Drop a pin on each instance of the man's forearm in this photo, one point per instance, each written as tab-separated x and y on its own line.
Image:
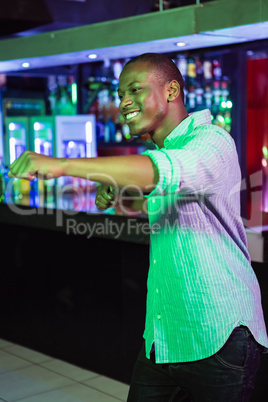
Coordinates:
136	172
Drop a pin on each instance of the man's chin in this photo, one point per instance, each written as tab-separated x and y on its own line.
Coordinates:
136	132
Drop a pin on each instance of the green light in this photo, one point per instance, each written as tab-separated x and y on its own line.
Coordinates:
229	104
74	93
265	152
223	105
128	136
220	118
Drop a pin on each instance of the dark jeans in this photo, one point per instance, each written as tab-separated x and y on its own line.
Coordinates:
227	376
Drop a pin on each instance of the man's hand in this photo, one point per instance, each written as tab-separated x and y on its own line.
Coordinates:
105	197
30	165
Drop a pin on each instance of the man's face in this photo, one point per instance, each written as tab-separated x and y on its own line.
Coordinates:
143	100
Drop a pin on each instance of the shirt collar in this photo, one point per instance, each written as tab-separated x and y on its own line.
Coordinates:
189	124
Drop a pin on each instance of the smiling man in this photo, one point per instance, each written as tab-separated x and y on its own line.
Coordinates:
152	101
204	329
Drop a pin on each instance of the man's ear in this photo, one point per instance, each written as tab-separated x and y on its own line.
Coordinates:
173	90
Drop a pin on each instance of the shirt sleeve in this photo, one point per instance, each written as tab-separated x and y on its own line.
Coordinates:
200	167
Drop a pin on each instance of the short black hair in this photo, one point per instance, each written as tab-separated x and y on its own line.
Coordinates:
163	67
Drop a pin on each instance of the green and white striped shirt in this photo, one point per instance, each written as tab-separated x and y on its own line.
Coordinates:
200	284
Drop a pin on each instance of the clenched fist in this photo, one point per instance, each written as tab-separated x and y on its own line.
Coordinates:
31	164
105	197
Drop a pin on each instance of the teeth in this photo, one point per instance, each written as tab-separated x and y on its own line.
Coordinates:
130	115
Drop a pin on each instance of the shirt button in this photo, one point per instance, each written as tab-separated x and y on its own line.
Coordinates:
159	316
153	232
157	290
153	200
154	261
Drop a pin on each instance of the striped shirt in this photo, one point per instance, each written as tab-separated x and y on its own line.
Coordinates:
200	283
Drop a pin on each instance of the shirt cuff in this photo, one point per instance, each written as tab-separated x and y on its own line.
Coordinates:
165	171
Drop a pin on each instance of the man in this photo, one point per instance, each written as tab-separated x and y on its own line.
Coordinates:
204	327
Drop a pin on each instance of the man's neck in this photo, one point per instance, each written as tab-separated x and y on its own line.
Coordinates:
160	134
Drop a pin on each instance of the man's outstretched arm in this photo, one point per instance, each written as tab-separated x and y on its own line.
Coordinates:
132	171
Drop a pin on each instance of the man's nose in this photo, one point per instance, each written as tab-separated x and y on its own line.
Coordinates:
126	101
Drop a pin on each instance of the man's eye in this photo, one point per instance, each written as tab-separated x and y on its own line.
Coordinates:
136	89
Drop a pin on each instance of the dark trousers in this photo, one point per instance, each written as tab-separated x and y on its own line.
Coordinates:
227	376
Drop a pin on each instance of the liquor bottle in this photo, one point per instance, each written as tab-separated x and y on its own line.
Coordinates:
224	89
72	96
216	70
65	103
207	68
106	132
219	120
216	93
199	90
181	63
191	69
126	132
185	90
191	99
112	130
208	96
52	88
199	93
100	131
191	81
227	121
199	71
117	68
118	135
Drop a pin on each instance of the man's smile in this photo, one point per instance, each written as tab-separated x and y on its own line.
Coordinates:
131	115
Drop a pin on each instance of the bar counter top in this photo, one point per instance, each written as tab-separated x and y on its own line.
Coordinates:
132	228
128	228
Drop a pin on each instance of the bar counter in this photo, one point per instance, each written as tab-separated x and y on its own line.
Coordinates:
73	286
133	228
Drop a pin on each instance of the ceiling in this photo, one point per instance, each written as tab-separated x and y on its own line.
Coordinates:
198	26
31	17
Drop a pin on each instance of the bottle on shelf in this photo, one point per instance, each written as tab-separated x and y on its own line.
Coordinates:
208	96
191	99
199	71
207	68
117	69
199	92
191	69
216	70
224	89
181	63
52	88
227	121
217	92
191	84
